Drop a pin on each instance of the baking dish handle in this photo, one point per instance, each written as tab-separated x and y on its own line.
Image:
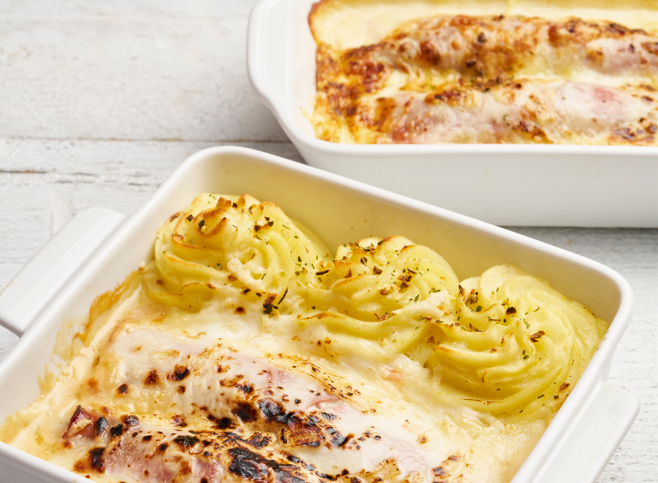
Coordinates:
45	274
266	38
592	439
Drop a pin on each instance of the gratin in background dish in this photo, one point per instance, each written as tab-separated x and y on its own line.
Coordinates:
530	185
350	210
488	79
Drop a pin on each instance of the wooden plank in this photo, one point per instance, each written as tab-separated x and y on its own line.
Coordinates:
137	71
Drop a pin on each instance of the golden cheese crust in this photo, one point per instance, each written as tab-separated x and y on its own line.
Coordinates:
492	79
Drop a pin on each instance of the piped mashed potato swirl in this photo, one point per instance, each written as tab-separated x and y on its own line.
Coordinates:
222	246
519	346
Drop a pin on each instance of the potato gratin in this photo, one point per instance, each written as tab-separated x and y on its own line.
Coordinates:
488	79
244	352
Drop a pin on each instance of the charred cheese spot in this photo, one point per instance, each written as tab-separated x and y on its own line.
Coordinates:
179	373
152	378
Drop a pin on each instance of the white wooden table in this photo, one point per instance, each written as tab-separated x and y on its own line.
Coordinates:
100	101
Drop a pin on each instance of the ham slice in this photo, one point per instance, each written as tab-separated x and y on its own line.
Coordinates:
524	111
280	419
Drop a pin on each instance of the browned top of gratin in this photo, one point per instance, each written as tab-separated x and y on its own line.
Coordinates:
492	79
244	352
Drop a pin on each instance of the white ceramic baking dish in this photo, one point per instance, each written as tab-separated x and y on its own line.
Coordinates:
522	185
98	249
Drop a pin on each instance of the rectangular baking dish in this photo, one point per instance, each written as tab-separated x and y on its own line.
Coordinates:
98	249
513	185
